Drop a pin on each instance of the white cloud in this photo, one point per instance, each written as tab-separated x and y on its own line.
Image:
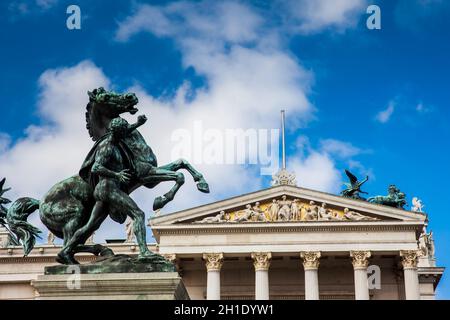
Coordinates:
317	168
339	148
360	168
244	70
46	4
421	108
228	21
5	141
26	7
307	17
317	171
385	115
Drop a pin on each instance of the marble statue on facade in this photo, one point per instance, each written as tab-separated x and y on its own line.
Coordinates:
50	238
355	216
428	244
129	226
248	213
325	214
284	213
273	209
312	213
216	219
417	205
295	210
258	212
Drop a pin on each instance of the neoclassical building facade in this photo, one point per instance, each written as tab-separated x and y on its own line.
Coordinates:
287	242
283	242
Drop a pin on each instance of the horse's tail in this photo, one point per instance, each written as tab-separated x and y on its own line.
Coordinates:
17	221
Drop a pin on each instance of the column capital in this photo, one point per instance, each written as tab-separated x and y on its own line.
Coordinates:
310	259
261	260
214	261
410	258
360	259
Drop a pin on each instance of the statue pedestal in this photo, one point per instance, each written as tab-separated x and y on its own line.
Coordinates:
117	277
111	286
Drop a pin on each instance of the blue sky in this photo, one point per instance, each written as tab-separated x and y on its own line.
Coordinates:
235	64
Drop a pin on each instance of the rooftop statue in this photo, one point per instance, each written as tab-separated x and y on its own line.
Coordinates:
395	198
119	163
417	205
353	188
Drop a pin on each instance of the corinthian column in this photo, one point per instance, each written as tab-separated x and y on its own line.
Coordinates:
311	266
261	262
360	261
213	263
409	262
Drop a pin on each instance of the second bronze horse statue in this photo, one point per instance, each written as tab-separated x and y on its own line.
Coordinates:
72	211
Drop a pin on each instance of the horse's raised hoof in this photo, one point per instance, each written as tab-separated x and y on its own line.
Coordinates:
203	186
159	203
66	259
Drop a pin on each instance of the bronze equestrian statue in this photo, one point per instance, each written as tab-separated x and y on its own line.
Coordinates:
119	163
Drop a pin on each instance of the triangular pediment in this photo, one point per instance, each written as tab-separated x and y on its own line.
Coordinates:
286	204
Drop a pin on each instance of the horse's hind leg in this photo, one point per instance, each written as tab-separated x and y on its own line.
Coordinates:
67	257
79	234
202	185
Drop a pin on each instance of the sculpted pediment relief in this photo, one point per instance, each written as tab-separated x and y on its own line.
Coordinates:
286	209
286	204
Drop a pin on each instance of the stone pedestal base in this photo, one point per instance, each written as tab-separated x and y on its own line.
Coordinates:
111	286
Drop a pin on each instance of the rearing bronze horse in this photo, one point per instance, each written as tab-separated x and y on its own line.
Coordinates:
67	208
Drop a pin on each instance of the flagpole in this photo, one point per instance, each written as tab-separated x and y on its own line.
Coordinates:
283	142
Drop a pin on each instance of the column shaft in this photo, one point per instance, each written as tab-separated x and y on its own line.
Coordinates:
361	284
412	289
311	266
409	262
262	285
213	285
311	284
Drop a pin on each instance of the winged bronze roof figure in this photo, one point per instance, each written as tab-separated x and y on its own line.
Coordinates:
353	188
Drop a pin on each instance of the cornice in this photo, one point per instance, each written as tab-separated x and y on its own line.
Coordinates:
286	227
